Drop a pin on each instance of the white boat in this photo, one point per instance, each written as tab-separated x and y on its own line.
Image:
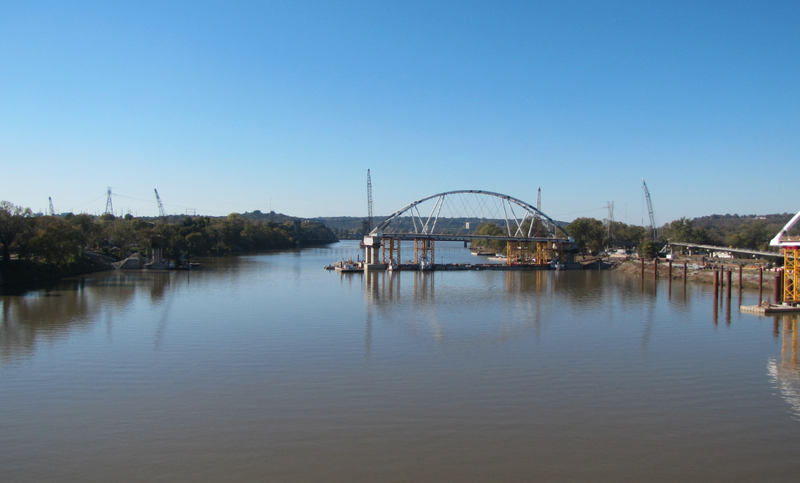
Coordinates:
425	264
348	266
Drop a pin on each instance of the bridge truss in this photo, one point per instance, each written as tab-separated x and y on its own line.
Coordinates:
531	236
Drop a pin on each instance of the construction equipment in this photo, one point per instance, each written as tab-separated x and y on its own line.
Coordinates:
654	233
370	220
791	260
160	205
52	212
538	217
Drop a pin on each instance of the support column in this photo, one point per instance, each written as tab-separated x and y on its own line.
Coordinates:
791	265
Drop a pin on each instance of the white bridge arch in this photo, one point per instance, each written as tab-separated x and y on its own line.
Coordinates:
518	217
532	237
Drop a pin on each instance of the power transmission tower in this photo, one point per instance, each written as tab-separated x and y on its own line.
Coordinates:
610	221
370	221
109	206
160	205
654	233
52	211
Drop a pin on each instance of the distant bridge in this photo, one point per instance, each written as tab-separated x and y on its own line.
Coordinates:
716	249
532	237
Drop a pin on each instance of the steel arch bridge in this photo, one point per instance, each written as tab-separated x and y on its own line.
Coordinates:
532	237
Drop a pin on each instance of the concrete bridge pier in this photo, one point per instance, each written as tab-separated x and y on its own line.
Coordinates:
372	253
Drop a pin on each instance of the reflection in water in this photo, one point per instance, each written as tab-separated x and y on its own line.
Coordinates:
785	374
447	315
468	376
53	313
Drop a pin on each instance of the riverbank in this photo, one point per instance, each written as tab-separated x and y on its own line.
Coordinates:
23	274
750	278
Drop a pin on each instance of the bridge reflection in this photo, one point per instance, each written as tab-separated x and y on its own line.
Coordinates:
459	313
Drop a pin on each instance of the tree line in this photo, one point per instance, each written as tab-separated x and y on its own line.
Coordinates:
60	240
593	236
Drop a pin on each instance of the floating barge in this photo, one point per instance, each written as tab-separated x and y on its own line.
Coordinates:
769	309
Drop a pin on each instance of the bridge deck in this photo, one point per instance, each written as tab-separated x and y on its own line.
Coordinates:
728	249
466	237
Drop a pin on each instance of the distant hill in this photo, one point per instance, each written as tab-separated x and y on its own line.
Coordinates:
728	224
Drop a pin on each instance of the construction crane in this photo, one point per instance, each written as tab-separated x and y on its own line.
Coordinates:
370	221
52	211
160	205
538	211
650	210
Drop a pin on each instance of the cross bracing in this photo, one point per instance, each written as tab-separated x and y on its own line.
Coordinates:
456	215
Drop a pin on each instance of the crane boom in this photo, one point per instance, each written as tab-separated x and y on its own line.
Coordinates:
650	209
160	205
370	220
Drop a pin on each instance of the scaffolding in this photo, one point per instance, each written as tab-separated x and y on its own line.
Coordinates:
791	278
424	248
391	250
520	253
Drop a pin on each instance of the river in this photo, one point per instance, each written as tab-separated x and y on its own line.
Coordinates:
269	368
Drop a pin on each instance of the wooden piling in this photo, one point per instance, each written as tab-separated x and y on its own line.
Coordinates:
685	275
728	282
778	289
760	284
655	268
716	286
740	277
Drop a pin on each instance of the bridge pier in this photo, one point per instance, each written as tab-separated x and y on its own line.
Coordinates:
372	253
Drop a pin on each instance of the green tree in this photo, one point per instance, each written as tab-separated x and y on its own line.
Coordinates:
490	229
648	249
55	240
589	234
13	220
680	231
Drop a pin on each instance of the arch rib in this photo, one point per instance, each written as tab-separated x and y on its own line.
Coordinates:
509	199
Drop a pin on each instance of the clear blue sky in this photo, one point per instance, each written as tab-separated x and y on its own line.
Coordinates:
238	106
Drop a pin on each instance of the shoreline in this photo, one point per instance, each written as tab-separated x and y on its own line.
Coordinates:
750	278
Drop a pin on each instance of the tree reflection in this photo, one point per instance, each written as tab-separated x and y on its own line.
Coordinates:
71	305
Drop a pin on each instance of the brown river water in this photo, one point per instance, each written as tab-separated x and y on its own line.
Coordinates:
269	368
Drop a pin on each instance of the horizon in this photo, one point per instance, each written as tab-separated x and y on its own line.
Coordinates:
286	105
